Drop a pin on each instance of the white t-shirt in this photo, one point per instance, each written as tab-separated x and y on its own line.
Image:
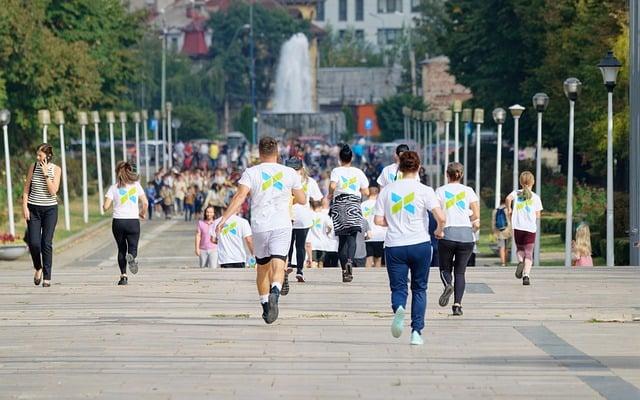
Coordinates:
125	200
318	236
455	200
302	214
270	186
378	232
523	216
349	180
332	239
231	247
390	174
405	205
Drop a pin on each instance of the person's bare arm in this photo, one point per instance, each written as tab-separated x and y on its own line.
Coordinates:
25	195
365	192
441	220
54	184
198	237
145	205
107	204
249	241
299	197
475	215
507	210
234	206
332	189
380	220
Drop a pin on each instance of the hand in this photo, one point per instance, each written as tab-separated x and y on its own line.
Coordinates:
143	214
198	252
44	164
220	226
26	214
439	233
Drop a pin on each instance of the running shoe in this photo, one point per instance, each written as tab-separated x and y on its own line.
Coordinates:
265	312
272	315
300	278
446	293
285	284
132	263
398	322
349	267
416	339
346	278
457	310
123	281
526	281
519	269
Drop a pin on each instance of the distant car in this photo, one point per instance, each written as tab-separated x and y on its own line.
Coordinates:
235	139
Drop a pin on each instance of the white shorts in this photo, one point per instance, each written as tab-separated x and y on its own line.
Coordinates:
271	244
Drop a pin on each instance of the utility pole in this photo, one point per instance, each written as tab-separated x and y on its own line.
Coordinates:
634	134
254	120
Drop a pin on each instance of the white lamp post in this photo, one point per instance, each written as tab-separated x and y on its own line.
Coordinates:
95	119
59	119
5	118
123	125
44	117
156	116
434	124
169	108
111	119
478	119
145	118
516	112
136	120
163	117
572	88
457	109
540	103
499	116
609	66
426	140
447	117
84	121
416	122
176	124
467	117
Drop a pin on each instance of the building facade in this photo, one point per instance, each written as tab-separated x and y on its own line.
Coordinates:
380	22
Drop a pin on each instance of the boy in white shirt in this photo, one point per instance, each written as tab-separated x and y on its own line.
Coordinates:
234	237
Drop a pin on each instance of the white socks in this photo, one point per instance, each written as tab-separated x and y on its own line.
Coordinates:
276	285
264	299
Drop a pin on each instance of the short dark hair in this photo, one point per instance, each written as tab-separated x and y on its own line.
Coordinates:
455	170
401	149
47	149
294	162
268	146
409	162
346	155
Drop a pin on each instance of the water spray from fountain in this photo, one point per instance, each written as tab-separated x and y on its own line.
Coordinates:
293	77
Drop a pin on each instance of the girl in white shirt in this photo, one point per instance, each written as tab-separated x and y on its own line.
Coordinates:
129	205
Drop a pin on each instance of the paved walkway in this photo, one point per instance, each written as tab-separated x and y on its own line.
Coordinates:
178	332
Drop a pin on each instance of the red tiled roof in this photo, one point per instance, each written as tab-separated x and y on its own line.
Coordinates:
194	43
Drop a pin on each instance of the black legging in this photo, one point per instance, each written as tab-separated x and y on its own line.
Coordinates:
298	239
41	226
347	248
447	250
127	233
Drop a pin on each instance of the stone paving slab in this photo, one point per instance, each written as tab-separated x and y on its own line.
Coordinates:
178	332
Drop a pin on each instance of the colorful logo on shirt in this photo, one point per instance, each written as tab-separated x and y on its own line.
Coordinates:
405	202
230	229
394	177
367	212
317	223
521	204
452	199
128	195
350	183
274	181
305	187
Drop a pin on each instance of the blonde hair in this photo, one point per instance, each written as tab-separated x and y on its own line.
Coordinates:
583	240
526	181
124	174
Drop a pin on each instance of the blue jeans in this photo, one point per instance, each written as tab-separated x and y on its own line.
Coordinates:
400	260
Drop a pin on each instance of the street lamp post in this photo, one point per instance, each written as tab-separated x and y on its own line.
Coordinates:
254	120
59	119
405	114
84	121
95	119
111	119
516	112
156	116
163	117
499	116
426	136
163	86
5	118
572	88
540	103
467	117
457	109
447	117
44	117
123	124
434	124
478	119
418	117
145	118
176	124
169	108
609	66
136	121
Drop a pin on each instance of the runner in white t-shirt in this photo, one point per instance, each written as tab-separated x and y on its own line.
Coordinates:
234	237
403	206
348	185
270	186
374	243
525	207
129	205
318	237
390	172
302	221
462	212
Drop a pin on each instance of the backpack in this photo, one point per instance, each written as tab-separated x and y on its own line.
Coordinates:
501	219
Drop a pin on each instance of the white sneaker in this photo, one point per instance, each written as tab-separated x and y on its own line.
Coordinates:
416	339
398	322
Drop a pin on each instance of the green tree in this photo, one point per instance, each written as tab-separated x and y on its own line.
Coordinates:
347	51
390	117
244	122
197	122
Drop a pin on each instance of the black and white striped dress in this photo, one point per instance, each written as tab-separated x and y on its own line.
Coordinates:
346	214
38	192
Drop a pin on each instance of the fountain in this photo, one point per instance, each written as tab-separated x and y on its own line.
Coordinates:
294	114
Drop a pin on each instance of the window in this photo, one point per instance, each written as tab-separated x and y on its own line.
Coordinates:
415	6
389	6
359	10
174	44
342	10
320	10
342	33
388	36
359	35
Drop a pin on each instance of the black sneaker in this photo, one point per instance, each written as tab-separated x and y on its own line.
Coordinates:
132	263
285	284
349	267
346	278
525	281
519	270
300	278
446	293
123	281
265	312
272	314
457	310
